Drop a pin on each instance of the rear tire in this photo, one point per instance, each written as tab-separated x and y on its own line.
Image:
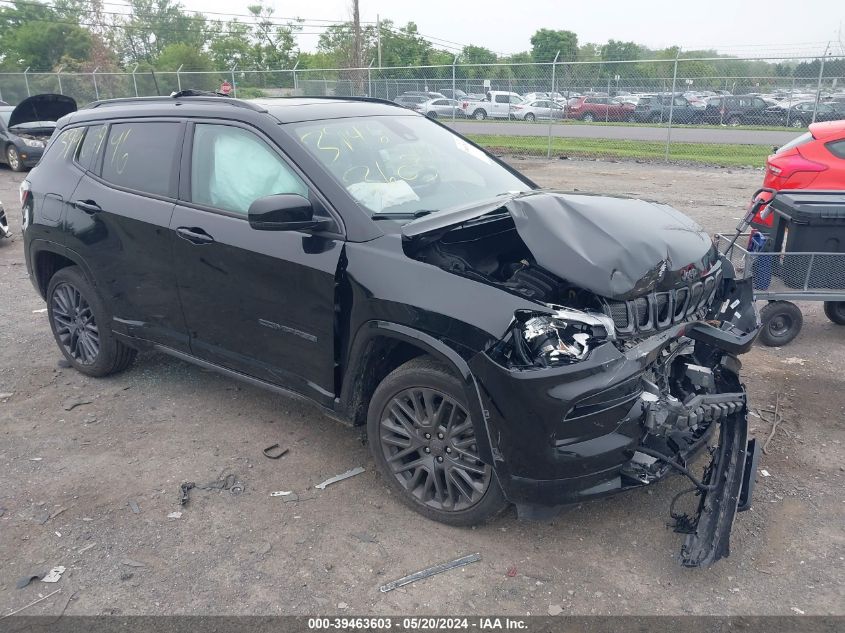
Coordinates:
81	323
835	311
796	123
782	321
734	121
479	115
530	117
423	443
431	115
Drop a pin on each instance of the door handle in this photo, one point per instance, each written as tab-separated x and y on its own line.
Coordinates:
194	235
88	206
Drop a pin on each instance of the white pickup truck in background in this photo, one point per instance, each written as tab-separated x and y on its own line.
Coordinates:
498	105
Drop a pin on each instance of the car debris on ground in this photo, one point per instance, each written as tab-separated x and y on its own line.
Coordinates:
54	575
72	403
331	480
430	571
275	451
230	482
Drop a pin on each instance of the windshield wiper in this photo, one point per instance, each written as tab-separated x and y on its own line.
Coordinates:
406	215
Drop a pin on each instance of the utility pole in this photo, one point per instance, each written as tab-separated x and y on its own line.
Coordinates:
378	38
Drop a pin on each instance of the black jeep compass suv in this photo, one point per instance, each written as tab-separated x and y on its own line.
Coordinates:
501	343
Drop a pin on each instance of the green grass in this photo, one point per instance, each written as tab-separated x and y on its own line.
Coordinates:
728	155
703	126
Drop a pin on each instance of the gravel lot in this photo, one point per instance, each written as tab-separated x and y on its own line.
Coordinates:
69	477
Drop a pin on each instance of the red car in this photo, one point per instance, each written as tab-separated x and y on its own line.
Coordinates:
600	109
816	160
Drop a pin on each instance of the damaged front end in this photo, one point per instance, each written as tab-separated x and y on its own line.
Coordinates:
626	367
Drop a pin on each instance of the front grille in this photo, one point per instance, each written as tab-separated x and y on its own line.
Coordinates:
660	310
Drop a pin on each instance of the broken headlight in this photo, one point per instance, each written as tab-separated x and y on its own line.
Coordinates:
558	338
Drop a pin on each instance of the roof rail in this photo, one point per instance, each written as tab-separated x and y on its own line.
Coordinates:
192	95
341	98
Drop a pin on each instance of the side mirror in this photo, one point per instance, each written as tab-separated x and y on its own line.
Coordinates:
282	212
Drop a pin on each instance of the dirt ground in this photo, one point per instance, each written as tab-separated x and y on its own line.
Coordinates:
70	479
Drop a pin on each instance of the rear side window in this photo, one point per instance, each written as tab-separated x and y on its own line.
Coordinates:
502	99
837	148
232	167
91	146
796	142
142	156
64	147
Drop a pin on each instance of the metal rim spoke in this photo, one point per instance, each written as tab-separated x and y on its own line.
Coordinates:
74	324
428	441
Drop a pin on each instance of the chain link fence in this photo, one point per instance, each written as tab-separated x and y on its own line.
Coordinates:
721	111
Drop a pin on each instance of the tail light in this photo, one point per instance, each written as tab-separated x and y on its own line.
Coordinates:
517	107
791	164
25	192
464	105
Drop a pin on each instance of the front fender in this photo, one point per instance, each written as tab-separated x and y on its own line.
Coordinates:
436	348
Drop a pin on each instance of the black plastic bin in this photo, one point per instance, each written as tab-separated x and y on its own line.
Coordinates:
810	222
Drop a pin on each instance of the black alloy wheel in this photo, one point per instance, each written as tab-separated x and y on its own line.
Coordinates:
74	324
429	443
423	441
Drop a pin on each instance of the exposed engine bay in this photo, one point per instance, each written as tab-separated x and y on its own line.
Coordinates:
680	318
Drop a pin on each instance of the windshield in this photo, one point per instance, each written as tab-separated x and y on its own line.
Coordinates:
405	165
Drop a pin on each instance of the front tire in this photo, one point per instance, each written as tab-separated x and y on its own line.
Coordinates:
423	443
782	321
13	159
588	118
80	324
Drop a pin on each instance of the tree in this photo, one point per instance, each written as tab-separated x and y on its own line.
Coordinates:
174	56
616	50
545	44
477	55
35	35
273	44
152	25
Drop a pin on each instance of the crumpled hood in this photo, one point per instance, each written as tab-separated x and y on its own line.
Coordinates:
618	248
43	107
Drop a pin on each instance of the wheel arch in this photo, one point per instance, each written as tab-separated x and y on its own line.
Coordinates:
47	258
379	347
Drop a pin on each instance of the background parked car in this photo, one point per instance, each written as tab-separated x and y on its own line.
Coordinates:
4	223
441	107
816	159
412	98
498	105
456	94
414	102
656	109
741	110
532	110
600	109
26	128
801	114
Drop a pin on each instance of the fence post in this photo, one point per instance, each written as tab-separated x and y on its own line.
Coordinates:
178	78
134	80
26	80
94	77
819	85
672	104
370	78
551	119
234	85
454	63
295	86
59	77
791	94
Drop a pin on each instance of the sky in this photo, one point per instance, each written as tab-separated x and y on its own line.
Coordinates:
736	26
